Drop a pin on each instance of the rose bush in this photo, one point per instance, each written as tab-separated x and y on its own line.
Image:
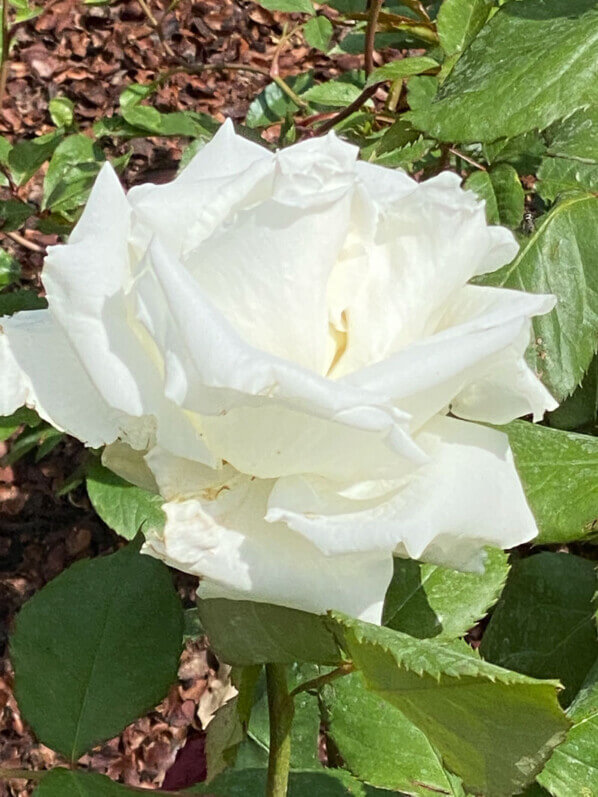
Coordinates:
287	347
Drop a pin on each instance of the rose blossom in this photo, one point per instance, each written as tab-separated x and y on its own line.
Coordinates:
290	350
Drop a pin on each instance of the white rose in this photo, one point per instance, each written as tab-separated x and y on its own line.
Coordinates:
282	338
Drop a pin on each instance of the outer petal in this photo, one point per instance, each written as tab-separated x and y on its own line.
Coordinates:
229	173
482	339
86	283
269	274
239	556
468	496
250	394
421	247
40	368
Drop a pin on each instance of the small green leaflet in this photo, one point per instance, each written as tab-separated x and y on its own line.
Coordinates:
560	258
502	191
396	70
573	767
318	32
493	727
379	744
559	471
125	508
459	22
425	600
543	624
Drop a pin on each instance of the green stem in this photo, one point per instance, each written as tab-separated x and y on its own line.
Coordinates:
280	709
284	86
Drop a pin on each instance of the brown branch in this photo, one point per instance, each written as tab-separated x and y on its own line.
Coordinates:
321	680
467	159
348	110
157	26
370	34
22	241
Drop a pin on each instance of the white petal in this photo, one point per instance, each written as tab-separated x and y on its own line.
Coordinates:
482	335
41	369
210	370
268	274
179	479
227	174
393	282
129	464
467	496
239	556
86	283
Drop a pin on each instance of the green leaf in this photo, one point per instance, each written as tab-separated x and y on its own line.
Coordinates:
71	173
289	6
421	90
405	157
494	728
62	111
459	22
244	632
23	299
68	783
25	11
318	32
425	600
10	423
558	176
523	152
14	214
379	744
544	624
123	507
579	412
224	734
252	783
96	648
560	258
306	720
533	63
559	471
573	767
501	189
10	268
333	93
396	70
273	105
576	136
26	157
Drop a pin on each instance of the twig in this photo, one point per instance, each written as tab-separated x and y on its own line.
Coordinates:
370	34
22	241
5	44
467	159
22	774
316	683
197	69
348	110
157	26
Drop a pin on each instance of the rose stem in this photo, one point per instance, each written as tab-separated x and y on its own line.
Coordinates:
280	709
